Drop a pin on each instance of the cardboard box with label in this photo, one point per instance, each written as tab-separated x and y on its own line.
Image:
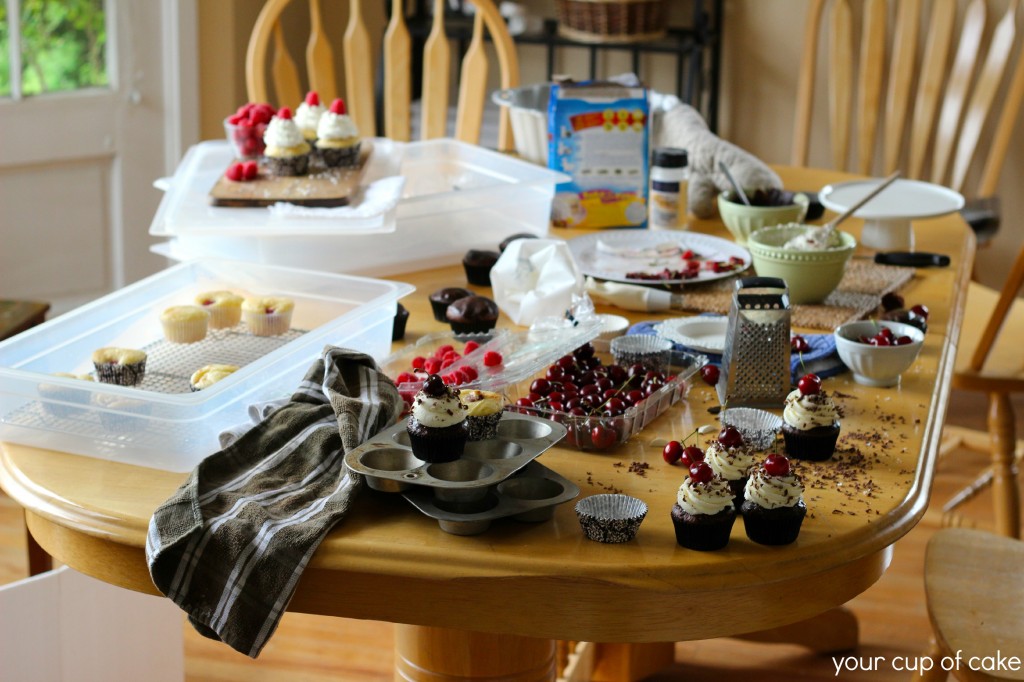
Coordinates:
598	134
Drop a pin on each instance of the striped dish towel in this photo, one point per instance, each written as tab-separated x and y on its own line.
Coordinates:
231	543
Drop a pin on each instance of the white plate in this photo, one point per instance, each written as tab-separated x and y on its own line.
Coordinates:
603	254
706	334
903	200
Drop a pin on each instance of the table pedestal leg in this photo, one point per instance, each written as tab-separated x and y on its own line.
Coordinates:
827	633
427	654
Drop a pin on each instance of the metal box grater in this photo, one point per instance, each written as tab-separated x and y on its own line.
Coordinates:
755	365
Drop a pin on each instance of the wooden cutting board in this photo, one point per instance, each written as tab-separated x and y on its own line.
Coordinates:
322	186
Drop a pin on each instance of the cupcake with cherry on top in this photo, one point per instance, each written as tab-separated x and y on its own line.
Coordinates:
704	511
773	507
437	427
810	421
731	458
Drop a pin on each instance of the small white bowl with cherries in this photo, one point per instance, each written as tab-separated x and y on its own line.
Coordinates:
878	351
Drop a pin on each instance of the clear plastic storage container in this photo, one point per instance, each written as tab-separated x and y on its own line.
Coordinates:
457	196
162	424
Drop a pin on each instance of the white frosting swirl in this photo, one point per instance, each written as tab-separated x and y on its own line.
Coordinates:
806	412
732	464
446	410
334	126
705	498
773	492
814	239
282	133
307	116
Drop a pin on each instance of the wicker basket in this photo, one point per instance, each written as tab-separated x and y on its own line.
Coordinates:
611	21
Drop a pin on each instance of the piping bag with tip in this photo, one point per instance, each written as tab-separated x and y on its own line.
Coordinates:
633	296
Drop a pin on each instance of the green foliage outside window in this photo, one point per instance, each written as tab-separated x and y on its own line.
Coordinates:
63	46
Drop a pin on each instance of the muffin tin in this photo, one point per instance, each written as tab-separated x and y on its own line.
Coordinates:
529	496
465	495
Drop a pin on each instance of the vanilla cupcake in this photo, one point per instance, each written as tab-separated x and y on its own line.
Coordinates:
337	137
185	323
268	315
225	308
121	366
483	412
287	152
307	116
207	376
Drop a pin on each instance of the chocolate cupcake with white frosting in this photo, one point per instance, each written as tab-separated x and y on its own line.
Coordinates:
704	511
338	137
731	458
773	507
437	427
307	116
810	421
287	152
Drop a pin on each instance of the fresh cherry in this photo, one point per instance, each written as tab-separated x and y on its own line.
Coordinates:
776	465
920	310
904	341
892	301
672	452
799	344
691	455
701	472
809	384
540	386
730	437
602	437
710	374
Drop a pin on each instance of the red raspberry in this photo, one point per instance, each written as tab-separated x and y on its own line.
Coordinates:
235	119
284	112
442	351
404	378
451	355
492	359
448	362
250	170
312	99
450	379
470	347
418	361
338	107
234	172
432	366
468	372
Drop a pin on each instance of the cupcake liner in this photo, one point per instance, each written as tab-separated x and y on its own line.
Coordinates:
703	532
472	327
479	275
186	331
445	444
340	157
759	428
816	445
262	324
224	316
610	518
652	352
779	526
287	165
122	375
483	428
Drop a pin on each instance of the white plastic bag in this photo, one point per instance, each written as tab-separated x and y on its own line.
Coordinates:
535	278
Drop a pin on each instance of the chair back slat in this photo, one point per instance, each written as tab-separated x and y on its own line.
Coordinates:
472	86
870	78
929	86
397	76
1004	131
267	53
901	77
957	88
1007	297
805	85
436	68
841	60
319	58
1003	38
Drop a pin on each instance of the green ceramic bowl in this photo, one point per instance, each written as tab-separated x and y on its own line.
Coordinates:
743	221
810	275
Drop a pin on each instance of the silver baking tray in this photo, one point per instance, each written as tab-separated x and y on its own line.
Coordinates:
530	495
387	462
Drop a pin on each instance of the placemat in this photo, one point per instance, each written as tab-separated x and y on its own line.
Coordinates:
858	294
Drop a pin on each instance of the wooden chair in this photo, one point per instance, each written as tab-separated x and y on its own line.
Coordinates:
267	53
975	593
934	104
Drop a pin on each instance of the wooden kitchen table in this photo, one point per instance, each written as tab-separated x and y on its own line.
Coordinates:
506	594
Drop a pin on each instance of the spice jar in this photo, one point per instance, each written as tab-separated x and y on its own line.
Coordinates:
669	175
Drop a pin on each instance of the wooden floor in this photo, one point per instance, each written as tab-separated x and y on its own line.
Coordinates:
892	615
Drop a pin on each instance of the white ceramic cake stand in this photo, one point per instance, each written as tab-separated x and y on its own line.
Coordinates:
887	217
